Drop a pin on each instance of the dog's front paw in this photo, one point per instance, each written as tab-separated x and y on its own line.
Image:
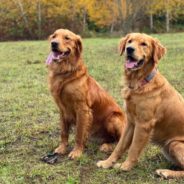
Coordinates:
126	166
61	149
104	164
74	154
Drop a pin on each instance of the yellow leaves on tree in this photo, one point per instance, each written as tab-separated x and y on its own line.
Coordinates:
67	8
103	13
175	7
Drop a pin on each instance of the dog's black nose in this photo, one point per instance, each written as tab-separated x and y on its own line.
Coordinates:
130	50
54	46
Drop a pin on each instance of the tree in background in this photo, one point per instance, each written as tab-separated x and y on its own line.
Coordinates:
83	6
103	13
133	14
170	8
26	19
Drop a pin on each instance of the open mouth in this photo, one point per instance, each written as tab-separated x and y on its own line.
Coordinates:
132	63
57	56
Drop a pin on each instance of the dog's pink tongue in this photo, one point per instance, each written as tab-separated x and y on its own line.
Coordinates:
56	55
52	56
130	64
49	59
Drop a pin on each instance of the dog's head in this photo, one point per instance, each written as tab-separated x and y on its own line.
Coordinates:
65	45
139	50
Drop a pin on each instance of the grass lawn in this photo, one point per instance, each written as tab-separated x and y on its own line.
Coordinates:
29	118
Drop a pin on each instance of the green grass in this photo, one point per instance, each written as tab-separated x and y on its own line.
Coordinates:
29	125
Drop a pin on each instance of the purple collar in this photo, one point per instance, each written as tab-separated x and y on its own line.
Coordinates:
149	77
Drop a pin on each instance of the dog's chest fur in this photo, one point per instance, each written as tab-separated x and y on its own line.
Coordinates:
66	94
140	107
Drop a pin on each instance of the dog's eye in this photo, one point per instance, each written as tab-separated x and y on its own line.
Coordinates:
129	41
67	38
143	44
54	36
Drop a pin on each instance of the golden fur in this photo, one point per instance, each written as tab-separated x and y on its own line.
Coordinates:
155	110
80	98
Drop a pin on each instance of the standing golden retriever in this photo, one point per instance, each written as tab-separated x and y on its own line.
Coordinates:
155	110
80	98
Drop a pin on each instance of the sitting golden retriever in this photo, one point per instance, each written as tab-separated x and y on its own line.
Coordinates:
80	98
155	110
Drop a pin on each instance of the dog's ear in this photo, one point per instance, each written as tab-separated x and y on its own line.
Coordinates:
78	45
158	50
122	44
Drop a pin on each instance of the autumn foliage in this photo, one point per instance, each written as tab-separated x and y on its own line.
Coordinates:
35	19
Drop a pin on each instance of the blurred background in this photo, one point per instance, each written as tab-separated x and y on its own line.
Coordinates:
36	19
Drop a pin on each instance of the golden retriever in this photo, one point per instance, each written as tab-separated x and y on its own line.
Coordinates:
80	99
155	110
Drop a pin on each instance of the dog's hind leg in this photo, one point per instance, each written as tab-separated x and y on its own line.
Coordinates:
114	127
175	153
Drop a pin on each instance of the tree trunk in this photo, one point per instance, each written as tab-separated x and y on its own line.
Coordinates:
39	20
167	16
151	21
167	21
112	28
23	14
84	21
119	3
